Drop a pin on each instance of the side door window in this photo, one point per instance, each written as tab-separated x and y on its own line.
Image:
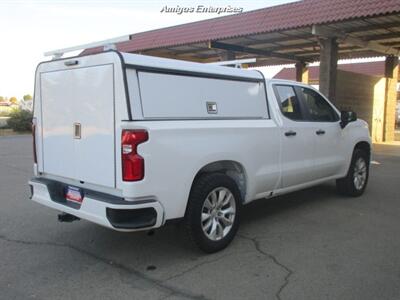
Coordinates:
317	108
288	102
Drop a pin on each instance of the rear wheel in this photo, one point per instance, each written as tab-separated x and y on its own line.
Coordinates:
213	212
356	180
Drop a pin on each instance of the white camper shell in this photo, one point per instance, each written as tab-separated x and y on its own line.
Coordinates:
130	142
82	104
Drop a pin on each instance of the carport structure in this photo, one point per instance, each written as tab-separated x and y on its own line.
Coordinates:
299	32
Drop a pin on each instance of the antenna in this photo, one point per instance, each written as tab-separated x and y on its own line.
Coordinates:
106	44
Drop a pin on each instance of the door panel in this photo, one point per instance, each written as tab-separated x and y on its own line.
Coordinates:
328	158
79	98
297	154
297	139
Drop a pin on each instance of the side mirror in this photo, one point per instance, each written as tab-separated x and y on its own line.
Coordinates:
346	117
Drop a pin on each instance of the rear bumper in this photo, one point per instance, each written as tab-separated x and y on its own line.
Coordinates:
105	210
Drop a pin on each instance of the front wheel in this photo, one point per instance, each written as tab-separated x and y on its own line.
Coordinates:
356	180
213	212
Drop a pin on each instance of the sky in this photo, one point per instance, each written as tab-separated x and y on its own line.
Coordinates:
28	28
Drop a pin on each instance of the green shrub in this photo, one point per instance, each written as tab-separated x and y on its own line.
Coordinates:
20	120
5	111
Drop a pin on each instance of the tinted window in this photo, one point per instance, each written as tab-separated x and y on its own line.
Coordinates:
288	101
318	109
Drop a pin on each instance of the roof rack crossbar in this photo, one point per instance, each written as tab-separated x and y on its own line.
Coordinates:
106	44
238	63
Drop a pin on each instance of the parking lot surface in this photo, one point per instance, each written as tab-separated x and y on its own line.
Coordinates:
311	244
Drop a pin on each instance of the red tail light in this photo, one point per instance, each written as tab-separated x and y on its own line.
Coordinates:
132	162
34	141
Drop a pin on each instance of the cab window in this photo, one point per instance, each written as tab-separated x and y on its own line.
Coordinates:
317	108
288	102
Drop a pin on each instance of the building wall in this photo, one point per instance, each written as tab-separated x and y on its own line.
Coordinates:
365	95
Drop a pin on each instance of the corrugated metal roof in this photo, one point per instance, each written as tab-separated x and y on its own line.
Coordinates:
376	68
282	17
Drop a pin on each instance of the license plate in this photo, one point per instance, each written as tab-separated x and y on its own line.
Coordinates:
73	194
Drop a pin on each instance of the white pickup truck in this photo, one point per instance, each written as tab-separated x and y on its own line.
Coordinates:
132	142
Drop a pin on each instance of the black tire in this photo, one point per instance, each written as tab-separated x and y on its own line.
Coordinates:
201	189
346	185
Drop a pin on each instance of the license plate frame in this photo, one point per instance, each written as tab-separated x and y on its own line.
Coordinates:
73	194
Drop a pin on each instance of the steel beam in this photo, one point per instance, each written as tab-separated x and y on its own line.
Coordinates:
244	49
371	26
324	31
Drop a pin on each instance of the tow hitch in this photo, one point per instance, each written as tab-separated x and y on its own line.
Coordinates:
64	217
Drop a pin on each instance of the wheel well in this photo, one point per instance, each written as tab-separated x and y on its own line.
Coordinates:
364	146
230	168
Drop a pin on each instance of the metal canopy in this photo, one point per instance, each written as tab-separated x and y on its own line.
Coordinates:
366	37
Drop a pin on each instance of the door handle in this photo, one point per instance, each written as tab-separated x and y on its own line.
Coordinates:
77	131
290	133
320	132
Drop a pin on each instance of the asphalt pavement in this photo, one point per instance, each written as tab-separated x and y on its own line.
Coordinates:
311	244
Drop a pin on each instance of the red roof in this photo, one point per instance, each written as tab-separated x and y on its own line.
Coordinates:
375	68
269	19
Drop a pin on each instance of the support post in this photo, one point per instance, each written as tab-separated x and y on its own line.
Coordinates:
391	74
302	72
228	55
328	67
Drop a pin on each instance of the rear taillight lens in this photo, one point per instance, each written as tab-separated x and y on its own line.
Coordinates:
132	162
34	140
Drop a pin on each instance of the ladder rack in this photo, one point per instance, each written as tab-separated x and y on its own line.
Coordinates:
238	63
106	44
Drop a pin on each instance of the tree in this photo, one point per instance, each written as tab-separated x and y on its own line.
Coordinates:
13	100
27	97
2	99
